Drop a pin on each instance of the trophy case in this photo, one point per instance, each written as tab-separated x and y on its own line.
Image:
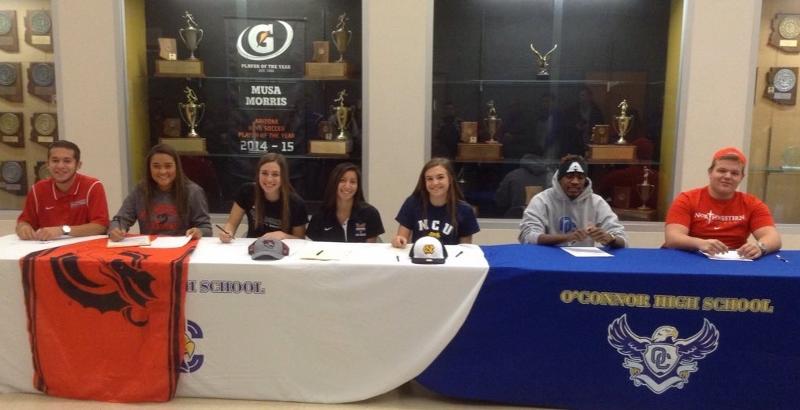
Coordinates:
518	85
28	110
774	161
232	80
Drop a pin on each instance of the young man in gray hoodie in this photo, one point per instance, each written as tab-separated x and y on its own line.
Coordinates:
569	213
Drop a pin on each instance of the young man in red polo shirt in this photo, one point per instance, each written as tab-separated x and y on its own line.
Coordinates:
67	203
716	217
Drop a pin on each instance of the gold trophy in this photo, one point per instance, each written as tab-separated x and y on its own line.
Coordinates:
191	34
645	189
191	112
342	115
622	122
492	123
544	62
341	37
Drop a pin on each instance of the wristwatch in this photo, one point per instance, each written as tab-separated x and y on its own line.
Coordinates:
66	229
762	247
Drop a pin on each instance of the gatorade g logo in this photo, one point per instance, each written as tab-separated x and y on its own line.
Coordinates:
265	41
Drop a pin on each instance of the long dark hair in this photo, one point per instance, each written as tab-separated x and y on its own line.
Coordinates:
179	191
329	199
286	191
453	191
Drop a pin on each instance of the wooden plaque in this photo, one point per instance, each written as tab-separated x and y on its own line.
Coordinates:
39	29
11	81
167	48
322	52
180	68
14	177
325	147
8	31
622	197
479	152
12	130
171	127
782	85
469	132
186	145
44	128
785	34
622	152
42	80
327	71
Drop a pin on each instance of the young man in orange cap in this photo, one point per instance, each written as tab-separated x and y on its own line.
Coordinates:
716	218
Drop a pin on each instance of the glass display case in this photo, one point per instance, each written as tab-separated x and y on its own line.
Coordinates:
28	114
518	85
251	77
774	169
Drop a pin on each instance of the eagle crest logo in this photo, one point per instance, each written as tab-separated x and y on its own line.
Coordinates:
428	249
661	361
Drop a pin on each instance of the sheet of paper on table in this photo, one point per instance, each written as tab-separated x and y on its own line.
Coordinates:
311	252
139	240
586	252
170	241
727	256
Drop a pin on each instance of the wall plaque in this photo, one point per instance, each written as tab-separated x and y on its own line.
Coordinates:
8	31
11	130
785	34
782	85
13	177
44	128
42	81
39	29
11	81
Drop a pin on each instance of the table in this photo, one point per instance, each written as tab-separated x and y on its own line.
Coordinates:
540	332
292	329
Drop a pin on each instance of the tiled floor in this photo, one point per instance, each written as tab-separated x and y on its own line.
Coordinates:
408	396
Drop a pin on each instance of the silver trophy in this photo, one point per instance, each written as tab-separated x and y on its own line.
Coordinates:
544	62
191	112
645	190
341	37
622	122
492	122
342	115
191	34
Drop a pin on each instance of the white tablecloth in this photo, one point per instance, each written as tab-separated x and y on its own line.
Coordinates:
293	329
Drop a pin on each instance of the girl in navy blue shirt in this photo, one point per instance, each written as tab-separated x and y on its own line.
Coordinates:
436	208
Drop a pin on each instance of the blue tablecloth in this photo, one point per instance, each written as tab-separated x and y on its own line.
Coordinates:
529	339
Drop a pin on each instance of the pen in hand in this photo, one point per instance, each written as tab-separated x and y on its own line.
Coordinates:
222	229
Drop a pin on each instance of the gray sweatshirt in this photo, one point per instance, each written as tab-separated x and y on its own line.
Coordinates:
553	212
163	219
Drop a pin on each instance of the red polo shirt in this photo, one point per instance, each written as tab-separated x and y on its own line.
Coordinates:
84	202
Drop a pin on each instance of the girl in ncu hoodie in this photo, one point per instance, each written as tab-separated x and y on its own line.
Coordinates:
569	213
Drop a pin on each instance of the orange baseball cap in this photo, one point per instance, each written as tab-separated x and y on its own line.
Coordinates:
731	152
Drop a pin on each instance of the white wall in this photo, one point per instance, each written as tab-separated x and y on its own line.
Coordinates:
717	83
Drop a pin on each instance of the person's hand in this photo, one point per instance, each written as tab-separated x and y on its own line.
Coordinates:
46	234
399	241
195	233
599	235
750	251
577	235
116	234
225	237
25	232
712	246
275	235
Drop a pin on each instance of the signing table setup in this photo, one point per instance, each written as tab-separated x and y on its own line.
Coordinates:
332	322
327	323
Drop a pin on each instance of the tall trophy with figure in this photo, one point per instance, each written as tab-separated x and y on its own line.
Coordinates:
543	61
341	144
492	122
622	122
320	67
191	35
191	112
645	190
